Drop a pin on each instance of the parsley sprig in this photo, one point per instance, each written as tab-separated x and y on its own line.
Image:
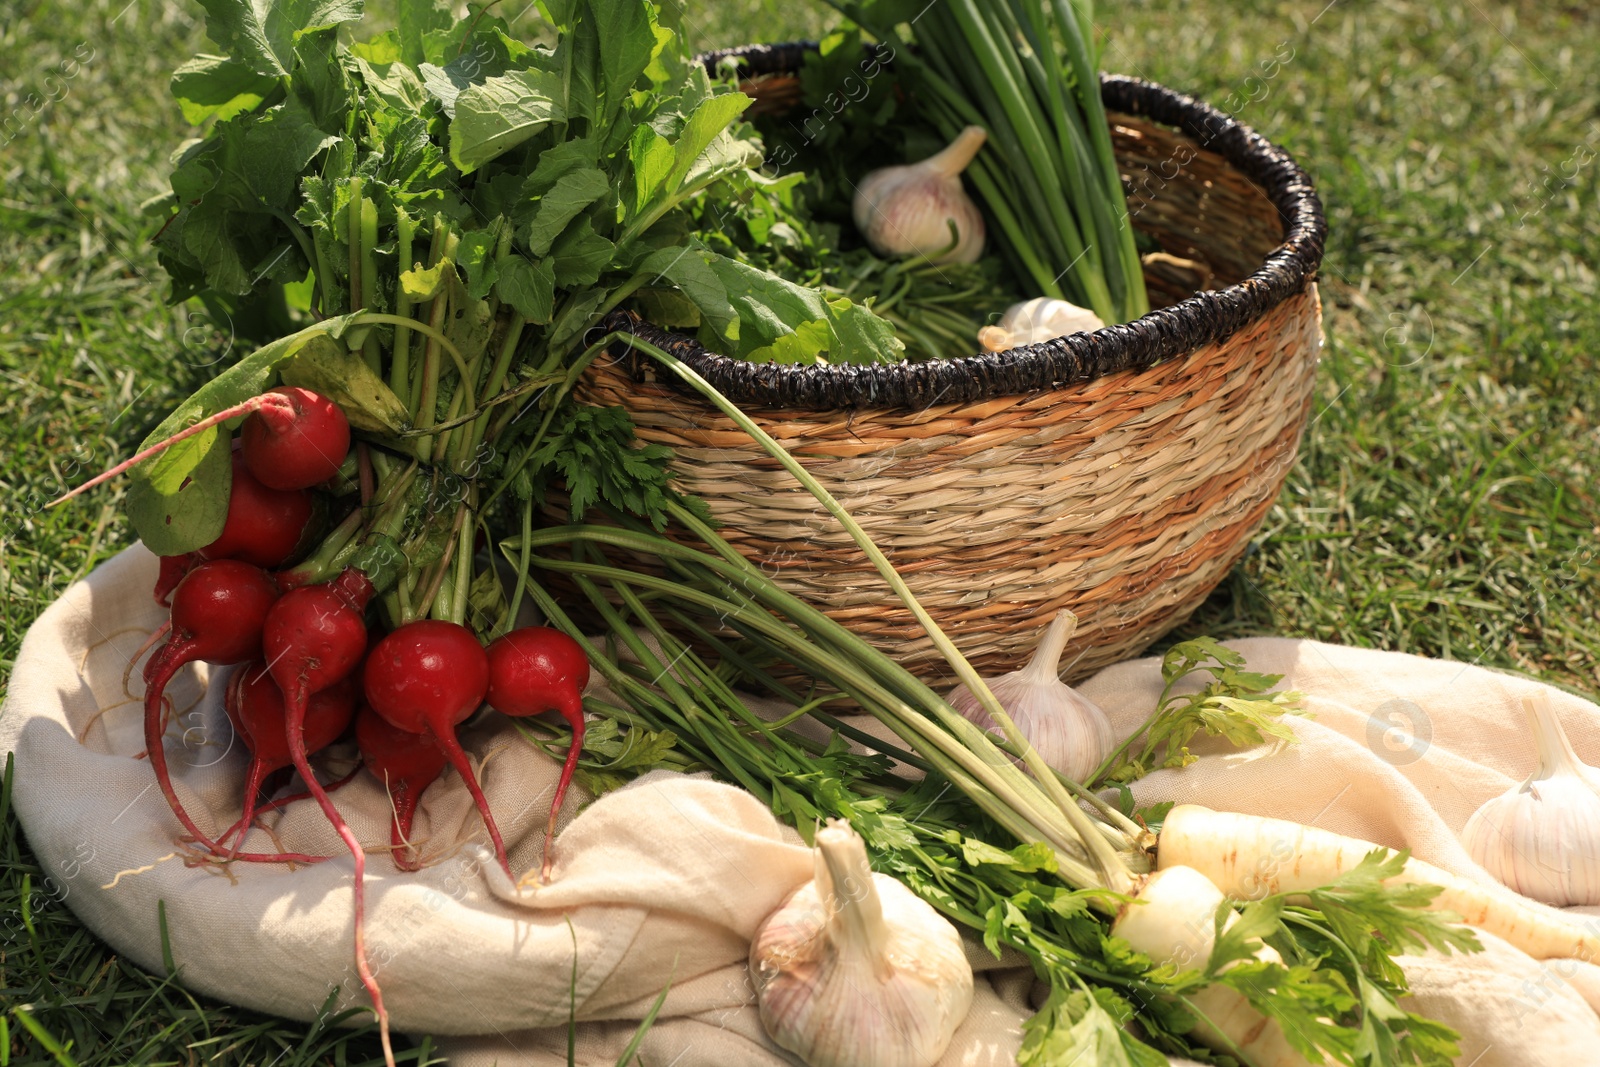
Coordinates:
1337	992
1235	704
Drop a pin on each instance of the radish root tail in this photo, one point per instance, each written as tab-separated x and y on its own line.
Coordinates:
458	759
295	713
574	716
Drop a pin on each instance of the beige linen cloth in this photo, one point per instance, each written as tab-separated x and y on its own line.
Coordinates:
669	877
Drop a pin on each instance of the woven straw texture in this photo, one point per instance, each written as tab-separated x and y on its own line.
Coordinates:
1126	497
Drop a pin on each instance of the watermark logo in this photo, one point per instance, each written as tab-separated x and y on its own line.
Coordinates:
1399	732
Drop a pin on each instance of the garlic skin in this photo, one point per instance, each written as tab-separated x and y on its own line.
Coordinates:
1542	838
1068	729
855	970
1040	319
907	210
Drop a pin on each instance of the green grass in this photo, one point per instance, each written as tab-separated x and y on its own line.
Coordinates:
1444	502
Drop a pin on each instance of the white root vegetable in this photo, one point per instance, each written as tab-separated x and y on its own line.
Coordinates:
1249	857
1171	919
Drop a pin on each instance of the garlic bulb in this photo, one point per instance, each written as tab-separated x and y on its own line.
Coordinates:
908	210
1542	838
855	970
1068	730
1039	319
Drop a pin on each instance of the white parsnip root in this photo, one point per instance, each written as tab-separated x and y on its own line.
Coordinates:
1249	857
1172	919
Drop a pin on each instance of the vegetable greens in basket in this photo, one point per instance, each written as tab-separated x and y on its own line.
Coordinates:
548	181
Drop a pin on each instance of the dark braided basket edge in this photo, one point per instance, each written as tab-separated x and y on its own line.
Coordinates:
1162	334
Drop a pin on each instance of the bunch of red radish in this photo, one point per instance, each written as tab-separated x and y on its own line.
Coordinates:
301	647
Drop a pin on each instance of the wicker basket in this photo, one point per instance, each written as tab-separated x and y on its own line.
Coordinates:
1120	473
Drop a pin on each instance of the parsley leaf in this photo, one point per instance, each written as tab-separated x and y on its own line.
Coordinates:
1074	1026
594	453
1340	996
1235	704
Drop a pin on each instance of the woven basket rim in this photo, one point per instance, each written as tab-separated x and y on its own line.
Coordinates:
1205	318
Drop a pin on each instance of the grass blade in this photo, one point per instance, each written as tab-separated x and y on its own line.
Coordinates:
43	1036
648	1021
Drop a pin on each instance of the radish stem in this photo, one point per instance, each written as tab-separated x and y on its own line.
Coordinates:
255	403
400	354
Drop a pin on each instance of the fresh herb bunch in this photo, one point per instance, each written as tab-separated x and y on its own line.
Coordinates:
453	213
557	171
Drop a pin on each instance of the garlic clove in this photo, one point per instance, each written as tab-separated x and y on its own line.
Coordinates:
855	970
1040	319
909	210
1068	729
1542	837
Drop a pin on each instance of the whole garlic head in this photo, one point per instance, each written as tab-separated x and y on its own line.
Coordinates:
1068	729
908	210
1542	838
855	970
1039	319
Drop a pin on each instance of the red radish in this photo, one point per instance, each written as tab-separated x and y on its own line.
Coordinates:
428	677
537	669
255	705
298	445
173	568
406	764
217	615
264	526
284	408
313	638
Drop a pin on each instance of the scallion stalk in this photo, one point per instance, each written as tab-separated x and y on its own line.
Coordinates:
1025	71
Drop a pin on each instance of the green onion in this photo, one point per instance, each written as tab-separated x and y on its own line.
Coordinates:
1050	182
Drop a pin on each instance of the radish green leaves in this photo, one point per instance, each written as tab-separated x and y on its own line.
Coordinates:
589	150
502	113
462	210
